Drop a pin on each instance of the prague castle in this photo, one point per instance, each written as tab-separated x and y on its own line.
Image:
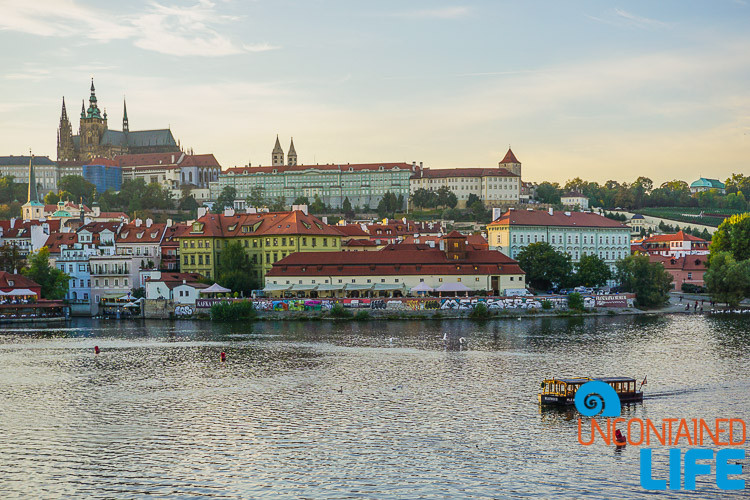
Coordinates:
96	139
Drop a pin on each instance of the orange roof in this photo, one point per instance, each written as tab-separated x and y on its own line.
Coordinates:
102	161
685	263
130	233
56	240
393	260
359	243
19	281
259	224
336	167
510	157
171	233
678	236
543	218
136	160
467	172
352	230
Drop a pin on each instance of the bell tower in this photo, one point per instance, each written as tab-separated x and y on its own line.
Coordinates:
291	157
277	155
93	126
65	147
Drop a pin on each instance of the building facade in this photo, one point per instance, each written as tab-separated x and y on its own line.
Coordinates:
674	245
395	270
574	199
173	171
267	237
95	138
363	184
103	173
46	172
704	184
574	233
493	186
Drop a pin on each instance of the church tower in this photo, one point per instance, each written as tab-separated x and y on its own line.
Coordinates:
33	209
93	126
125	124
511	163
291	157
65	147
277	155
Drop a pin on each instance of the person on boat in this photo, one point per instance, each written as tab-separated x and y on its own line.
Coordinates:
619	438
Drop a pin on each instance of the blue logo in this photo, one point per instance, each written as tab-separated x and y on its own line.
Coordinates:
594	398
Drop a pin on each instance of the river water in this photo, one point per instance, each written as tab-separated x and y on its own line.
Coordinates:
156	412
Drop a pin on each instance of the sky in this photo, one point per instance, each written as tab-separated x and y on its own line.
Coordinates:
592	89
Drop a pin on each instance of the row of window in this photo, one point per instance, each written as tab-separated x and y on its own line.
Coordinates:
603	240
278	241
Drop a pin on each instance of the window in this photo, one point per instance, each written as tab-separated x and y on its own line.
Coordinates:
186	260
208	260
690	275
192	260
511	278
106	282
117	282
200	260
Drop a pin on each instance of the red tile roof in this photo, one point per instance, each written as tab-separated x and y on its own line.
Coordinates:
393	260
359	243
68	205
543	218
56	240
260	224
510	157
352	230
170	235
130	233
336	167
678	236
102	161
467	172
686	263
152	159
170	277
19	281
207	160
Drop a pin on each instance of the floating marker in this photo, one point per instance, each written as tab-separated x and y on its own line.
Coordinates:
96	349
223	356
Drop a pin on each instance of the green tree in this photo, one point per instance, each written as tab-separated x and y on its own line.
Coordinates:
77	186
733	235
278	204
575	301
51	198
727	280
389	204
478	211
257	197
346	208
544	266
591	270
446	197
317	206
649	281
226	199
548	192
473	198
302	200
424	198
235	271
53	281
11	259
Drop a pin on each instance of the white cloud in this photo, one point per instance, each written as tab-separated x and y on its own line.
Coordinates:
167	29
639	21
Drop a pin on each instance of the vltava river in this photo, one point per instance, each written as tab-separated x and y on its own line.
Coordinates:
156	413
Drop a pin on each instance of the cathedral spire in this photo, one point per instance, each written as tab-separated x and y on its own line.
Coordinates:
33	195
291	157
83	110
277	155
64	115
125	125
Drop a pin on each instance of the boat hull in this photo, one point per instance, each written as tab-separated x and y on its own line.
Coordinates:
553	399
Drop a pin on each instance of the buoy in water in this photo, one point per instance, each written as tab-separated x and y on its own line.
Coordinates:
223	356
619	438
96	349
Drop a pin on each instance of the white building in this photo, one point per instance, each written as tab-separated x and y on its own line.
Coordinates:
574	199
181	288
45	171
492	186
574	233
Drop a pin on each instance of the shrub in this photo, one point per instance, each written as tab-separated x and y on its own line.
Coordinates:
233	311
362	315
546	305
480	311
339	311
575	301
691	288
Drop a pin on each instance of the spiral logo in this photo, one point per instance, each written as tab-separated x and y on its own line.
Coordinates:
594	398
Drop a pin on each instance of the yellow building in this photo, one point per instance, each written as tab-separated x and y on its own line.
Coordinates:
267	237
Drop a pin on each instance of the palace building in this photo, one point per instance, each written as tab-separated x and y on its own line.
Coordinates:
96	139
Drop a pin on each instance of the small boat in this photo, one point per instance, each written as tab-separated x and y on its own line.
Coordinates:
562	391
620	439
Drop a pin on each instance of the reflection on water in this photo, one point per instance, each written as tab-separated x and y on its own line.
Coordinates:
158	413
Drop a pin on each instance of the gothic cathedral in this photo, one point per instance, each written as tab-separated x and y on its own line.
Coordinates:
95	139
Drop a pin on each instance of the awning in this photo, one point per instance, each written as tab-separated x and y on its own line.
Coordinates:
303	288
21	292
389	286
215	288
327	288
273	287
355	286
453	287
422	287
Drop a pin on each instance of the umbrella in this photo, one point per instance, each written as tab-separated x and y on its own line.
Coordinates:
422	287
215	288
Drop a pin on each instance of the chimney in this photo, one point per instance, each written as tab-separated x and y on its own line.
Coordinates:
170	222
12	222
301	208
250	210
551	211
172	158
420	165
228	212
149	222
202	211
138	222
184	282
324	219
442	245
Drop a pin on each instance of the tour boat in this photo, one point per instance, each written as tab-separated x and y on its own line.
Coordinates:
562	391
